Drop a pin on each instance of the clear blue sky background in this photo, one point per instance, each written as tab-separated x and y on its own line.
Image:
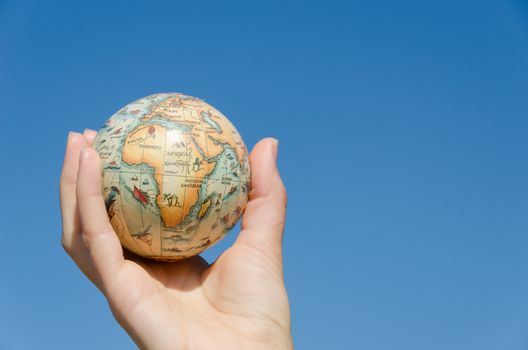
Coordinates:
403	129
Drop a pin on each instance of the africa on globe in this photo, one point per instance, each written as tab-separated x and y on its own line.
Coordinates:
175	173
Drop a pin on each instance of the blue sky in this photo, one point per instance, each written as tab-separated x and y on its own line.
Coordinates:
403	145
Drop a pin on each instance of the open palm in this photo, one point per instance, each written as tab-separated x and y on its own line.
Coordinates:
238	302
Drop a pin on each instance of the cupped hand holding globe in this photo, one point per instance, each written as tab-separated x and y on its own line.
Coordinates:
238	302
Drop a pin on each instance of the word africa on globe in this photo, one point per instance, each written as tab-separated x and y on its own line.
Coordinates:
176	175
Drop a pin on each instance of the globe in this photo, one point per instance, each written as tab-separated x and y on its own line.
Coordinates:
176	175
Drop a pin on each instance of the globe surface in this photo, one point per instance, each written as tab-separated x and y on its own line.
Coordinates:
176	175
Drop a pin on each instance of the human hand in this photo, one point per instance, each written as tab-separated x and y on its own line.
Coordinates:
238	302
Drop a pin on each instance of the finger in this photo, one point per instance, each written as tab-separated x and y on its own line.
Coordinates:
68	180
100	239
71	235
263	220
89	135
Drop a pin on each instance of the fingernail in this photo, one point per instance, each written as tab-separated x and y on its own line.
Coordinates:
71	135
274	149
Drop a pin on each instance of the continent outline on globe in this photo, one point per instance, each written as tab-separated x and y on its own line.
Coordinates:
176	175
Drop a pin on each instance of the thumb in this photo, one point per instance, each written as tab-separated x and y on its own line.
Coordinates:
263	220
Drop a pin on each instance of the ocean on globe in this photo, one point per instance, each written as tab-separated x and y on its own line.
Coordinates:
175	173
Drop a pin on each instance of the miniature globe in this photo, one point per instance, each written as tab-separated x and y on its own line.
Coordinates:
176	175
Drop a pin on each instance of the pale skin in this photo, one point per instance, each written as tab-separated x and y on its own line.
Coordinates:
238	302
